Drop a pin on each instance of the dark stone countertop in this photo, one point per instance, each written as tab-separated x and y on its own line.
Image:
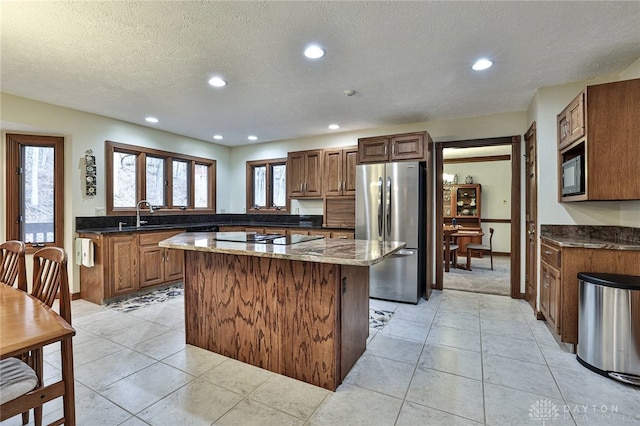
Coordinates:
195	223
592	237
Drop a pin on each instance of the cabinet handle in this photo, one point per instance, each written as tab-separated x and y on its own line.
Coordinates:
166	258
385	150
547	252
393	149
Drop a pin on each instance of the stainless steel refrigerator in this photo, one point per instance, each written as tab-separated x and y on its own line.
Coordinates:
390	206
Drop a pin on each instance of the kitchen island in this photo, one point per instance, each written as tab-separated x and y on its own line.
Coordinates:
297	307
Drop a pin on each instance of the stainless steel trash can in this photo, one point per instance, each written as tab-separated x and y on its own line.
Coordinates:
609	325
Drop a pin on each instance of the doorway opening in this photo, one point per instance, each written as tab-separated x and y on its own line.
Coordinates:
467	211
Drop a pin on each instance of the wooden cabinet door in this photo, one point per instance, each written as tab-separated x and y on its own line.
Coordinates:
313	174
409	147
373	150
151	265
563	129
296	174
576	118
173	264
333	169
544	289
122	264
550	295
554	298
349	159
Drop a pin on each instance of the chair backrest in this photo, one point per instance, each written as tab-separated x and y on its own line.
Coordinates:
50	279
12	264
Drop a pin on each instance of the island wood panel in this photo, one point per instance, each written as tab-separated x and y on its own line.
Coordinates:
234	310
354	318
576	260
310	318
277	314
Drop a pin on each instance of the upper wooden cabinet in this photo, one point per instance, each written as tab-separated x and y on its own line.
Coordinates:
402	147
340	171
571	122
304	174
601	126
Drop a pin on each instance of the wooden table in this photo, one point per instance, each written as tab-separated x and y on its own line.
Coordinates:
27	324
456	232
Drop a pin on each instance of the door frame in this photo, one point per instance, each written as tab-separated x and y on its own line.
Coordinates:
516	237
531	217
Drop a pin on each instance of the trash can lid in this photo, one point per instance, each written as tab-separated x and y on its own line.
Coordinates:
627	282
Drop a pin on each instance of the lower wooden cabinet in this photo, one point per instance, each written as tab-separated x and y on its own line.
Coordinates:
121	264
159	265
128	262
550	294
559	268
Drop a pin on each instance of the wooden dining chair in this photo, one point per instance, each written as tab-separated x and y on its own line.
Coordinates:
12	264
480	248
49	280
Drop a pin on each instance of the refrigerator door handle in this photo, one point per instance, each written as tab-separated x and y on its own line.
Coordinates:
380	213
403	252
388	202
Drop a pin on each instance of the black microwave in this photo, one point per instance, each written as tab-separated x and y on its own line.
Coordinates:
573	176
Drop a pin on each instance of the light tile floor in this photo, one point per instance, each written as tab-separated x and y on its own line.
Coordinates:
457	359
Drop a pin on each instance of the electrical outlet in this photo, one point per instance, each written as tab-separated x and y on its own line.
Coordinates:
101	211
223	210
297	210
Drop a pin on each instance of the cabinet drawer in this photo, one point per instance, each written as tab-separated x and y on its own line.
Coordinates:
342	235
550	255
148	238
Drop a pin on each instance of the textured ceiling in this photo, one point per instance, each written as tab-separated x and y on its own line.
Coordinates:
408	61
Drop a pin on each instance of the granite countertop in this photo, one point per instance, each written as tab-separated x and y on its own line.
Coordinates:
323	250
592	237
581	242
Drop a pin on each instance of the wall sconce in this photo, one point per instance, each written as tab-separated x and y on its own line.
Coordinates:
90	172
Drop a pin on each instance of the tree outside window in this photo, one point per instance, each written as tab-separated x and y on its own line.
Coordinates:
166	180
267	186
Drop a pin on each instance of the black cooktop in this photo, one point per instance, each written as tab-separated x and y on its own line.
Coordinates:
255	237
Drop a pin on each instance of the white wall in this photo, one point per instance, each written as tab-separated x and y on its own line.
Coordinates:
83	131
496	125
550	101
495	203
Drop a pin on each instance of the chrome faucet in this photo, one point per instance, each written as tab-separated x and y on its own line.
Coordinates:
138	221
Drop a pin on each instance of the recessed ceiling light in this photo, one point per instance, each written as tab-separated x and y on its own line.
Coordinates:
151	119
217	82
217	137
334	126
482	64
314	51
253	138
